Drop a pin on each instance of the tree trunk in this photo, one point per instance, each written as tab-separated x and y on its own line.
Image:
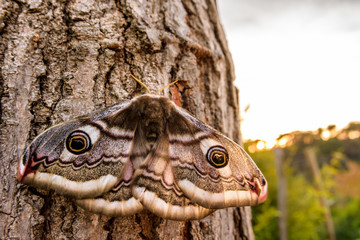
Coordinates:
281	192
314	166
62	59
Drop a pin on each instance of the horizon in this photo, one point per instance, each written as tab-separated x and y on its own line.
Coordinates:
326	133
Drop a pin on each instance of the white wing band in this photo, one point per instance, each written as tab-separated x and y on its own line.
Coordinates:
61	185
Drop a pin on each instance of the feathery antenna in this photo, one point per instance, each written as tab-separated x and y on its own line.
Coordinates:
143	84
166	87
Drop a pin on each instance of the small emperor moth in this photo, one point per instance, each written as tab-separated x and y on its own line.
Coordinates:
144	153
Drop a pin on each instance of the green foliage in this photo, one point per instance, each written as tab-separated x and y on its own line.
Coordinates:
347	220
329	146
265	215
265	224
305	218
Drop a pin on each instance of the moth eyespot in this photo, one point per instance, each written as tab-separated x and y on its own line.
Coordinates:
217	156
78	142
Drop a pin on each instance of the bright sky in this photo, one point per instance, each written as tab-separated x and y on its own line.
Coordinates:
297	63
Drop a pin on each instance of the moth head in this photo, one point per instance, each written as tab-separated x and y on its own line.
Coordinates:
217	156
78	142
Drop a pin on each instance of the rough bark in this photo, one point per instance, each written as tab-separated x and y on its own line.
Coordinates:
62	59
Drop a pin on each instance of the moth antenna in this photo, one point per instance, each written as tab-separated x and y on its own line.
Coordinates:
166	86
141	83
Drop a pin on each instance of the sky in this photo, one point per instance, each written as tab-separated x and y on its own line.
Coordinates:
297	63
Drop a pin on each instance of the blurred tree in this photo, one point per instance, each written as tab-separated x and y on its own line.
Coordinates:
339	158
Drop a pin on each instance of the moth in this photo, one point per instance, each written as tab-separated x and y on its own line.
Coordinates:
146	153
